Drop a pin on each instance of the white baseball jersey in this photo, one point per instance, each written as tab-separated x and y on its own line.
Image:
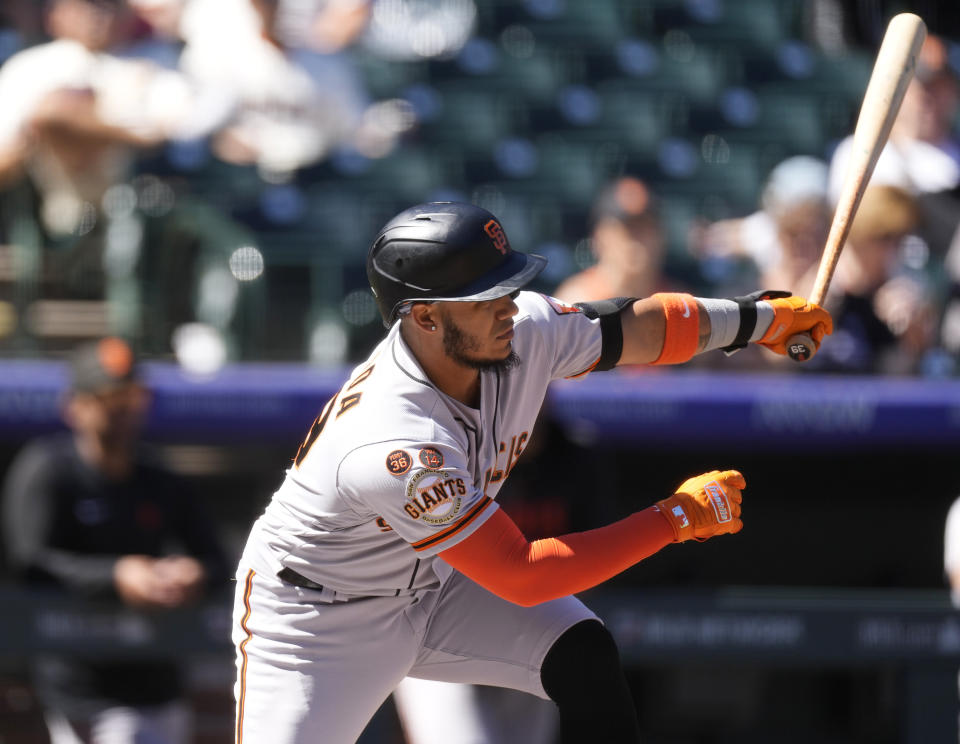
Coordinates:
395	471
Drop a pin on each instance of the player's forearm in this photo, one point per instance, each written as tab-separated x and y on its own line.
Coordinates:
645	327
499	558
670	328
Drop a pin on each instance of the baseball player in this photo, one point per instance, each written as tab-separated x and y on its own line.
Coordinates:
383	554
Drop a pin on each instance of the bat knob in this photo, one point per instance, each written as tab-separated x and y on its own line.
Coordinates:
801	347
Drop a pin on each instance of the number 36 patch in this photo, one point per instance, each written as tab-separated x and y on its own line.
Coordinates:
399	462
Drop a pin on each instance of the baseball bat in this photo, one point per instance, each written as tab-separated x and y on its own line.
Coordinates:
892	72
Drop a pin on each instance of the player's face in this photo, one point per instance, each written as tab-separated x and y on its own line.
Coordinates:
115	415
479	335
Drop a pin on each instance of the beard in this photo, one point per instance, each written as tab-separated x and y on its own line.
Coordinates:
457	344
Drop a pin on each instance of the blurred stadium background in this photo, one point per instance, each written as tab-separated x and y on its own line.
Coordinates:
827	620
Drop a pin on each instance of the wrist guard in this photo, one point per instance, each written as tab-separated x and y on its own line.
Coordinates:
748	316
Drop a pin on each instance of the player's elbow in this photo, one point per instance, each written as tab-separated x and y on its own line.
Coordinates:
524	600
522	591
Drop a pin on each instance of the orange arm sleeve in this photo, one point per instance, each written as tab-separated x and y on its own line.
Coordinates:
499	558
682	332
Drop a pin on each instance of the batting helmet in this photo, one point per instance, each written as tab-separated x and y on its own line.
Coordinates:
445	251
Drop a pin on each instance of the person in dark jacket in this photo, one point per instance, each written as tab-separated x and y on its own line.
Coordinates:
92	512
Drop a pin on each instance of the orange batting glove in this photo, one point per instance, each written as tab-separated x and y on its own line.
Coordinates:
705	505
794	315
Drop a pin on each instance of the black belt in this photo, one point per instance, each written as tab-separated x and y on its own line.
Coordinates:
292	577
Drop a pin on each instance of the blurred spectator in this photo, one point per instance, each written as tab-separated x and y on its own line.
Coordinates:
327	26
783	240
950	322
293	105
412	30
92	513
884	316
73	109
923	158
628	243
778	247
923	152
160	39
77	117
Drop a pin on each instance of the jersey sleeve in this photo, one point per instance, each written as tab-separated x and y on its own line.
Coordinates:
566	340
423	490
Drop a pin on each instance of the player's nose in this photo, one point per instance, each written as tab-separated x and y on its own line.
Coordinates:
508	308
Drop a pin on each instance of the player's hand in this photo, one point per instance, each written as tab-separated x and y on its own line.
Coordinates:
136	581
793	315
705	505
182	577
147	582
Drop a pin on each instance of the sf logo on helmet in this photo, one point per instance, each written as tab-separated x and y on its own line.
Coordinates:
493	229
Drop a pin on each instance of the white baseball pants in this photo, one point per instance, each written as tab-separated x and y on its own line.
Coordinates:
311	671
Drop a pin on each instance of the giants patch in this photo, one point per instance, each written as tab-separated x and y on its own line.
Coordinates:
431	457
399	462
434	497
719	500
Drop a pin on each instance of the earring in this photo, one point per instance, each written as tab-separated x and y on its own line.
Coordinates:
433	328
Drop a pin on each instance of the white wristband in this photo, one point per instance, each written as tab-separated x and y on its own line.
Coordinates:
725	321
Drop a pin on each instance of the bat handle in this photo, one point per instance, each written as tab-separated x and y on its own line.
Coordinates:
801	347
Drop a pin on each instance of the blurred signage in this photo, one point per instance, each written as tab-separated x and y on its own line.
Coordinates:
791	625
757	625
250	402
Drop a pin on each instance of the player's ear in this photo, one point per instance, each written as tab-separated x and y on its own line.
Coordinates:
424	315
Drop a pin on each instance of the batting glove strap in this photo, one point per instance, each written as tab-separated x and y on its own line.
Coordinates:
748	316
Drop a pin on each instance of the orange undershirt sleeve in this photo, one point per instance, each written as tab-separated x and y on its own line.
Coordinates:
499	558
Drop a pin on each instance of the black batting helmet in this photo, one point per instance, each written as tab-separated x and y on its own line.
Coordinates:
445	251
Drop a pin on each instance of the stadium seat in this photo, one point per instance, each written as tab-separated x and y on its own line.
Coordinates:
733	22
473	116
410	173
787	115
642	116
580	24
532	70
845	76
383	78
574	168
